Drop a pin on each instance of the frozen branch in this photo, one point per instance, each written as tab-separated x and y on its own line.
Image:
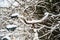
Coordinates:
37	21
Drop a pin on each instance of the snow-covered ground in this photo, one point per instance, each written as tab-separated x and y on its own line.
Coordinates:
22	30
4	3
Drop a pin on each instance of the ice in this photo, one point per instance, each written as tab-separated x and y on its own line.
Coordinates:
11	26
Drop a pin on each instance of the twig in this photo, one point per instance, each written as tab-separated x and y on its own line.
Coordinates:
36	21
52	29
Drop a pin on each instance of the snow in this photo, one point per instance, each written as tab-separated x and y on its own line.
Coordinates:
10	26
28	0
4	3
2	30
15	14
21	2
1	34
1	0
11	1
6	37
46	13
36	35
15	4
7	3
